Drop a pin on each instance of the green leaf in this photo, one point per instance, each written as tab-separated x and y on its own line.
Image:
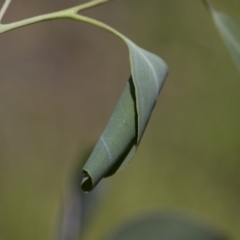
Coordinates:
229	30
166	227
120	139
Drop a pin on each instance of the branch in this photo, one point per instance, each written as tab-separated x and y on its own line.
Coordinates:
4	8
67	13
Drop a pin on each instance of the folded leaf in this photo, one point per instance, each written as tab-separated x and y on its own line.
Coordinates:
120	139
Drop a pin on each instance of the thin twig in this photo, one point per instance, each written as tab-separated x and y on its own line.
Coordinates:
4	9
89	5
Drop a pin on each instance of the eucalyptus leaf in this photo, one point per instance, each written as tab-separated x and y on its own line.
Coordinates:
166	227
229	30
121	137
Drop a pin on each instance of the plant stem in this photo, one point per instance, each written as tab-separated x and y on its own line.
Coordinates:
89	5
4	8
29	21
70	13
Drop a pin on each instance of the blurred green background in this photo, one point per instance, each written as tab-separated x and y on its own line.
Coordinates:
60	82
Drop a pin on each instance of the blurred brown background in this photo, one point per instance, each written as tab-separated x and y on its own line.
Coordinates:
59	83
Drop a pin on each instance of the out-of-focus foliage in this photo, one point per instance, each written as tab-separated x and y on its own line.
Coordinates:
166	226
229	30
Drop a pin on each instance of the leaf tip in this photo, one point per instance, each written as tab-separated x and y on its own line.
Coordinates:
87	183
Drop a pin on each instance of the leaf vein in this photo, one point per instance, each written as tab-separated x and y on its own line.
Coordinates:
106	146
